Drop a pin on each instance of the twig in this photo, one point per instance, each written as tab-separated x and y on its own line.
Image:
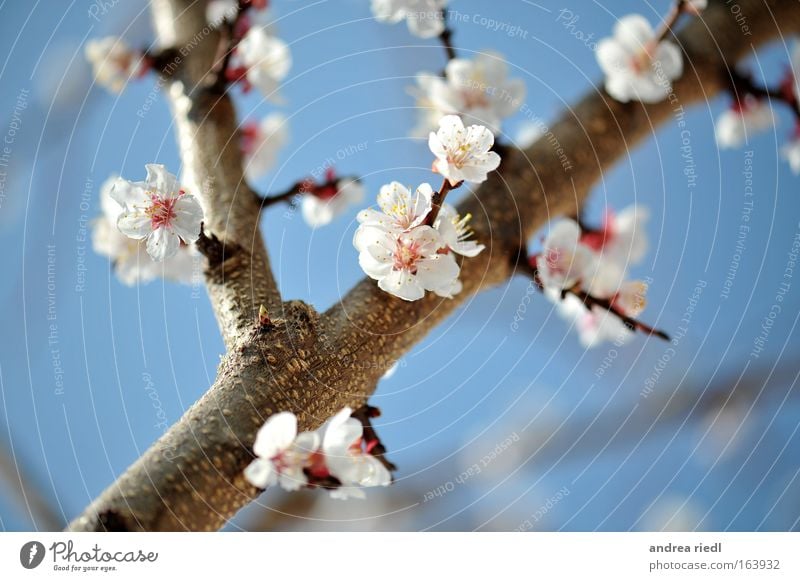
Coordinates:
525	267
446	37
743	85
375	447
438	200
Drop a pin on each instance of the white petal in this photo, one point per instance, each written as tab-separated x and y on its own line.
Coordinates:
277	434
160	180
402	284
260	473
188	217
162	243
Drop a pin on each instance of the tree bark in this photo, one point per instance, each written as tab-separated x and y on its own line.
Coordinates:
313	365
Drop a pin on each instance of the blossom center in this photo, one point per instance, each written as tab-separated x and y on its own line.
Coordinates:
161	211
406	255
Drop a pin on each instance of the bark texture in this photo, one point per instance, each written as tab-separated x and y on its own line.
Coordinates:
312	364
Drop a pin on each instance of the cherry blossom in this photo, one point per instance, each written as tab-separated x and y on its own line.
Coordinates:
342	439
456	233
221	10
335	456
407	263
745	118
621	238
132	264
462	154
159	211
424	17
114	62
637	66
564	261
399	210
478	90
261	143
264	60
281	454
322	204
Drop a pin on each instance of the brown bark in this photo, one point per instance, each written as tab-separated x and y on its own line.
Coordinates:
314	365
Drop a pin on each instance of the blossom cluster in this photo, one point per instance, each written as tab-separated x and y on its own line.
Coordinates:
478	90
337	456
751	112
147	228
595	262
425	18
132	264
409	246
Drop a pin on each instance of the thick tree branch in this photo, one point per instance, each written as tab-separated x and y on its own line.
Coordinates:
206	128
192	477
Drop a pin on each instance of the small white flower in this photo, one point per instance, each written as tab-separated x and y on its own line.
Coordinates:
261	143
347	461
159	211
462	153
622	238
267	60
132	264
564	261
456	233
478	90
637	68
321	206
281	454
219	10
736	125
791	153
406	263
113	62
424	17
399	210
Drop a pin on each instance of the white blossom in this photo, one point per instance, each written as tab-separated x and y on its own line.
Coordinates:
791	153
636	65
424	17
132	264
564	261
399	209
622	238
456	233
597	325
347	461
325	204
261	143
478	90
267	60
158	211
218	11
406	263
736	125
113	62
281	454
462	153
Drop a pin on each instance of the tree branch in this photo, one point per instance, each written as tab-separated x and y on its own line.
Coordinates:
192	477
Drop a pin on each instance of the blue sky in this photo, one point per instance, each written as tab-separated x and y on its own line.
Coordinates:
129	357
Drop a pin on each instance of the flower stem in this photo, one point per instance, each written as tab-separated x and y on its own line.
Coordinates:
589	301
678	8
438	200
